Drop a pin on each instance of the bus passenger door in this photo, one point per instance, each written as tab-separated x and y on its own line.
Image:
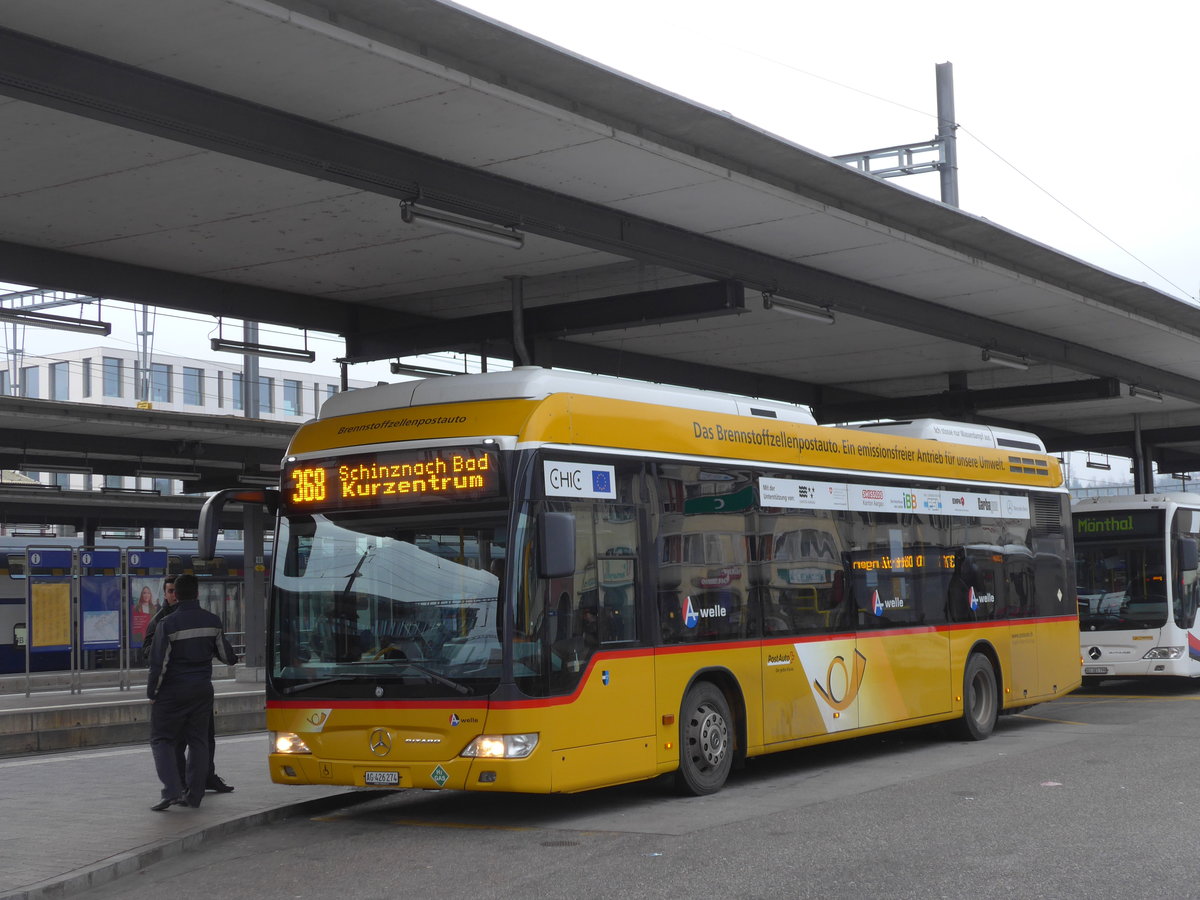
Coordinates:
904	655
1018	595
601	730
810	664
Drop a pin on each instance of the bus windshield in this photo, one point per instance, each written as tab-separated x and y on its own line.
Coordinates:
368	605
1121	584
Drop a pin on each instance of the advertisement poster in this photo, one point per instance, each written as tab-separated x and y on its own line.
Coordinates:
100	605
145	600
50	614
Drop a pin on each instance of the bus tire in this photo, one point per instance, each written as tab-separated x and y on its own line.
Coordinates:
981	703
705	740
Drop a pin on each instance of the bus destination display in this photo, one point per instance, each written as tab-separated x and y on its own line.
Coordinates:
391	478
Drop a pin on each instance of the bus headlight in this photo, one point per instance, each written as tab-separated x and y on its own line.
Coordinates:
1165	653
501	746
288	742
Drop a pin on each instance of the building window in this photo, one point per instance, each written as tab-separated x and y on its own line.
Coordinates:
30	383
61	480
160	382
113	376
113	481
236	394
163	486
193	386
266	395
87	377
5	387
59	381
291	397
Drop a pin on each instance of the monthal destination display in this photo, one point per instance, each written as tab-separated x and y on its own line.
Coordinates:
391	478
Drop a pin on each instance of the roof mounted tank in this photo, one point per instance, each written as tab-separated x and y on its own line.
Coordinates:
961	433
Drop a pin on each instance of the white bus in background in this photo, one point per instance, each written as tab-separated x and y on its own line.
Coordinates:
1136	571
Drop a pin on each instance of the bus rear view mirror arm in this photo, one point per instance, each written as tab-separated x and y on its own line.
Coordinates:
210	514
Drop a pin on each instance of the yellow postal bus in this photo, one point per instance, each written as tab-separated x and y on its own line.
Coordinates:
538	581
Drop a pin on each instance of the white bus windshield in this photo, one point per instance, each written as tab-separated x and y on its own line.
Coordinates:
1121	584
412	609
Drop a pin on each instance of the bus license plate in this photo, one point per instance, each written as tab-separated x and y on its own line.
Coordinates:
381	777
1095	670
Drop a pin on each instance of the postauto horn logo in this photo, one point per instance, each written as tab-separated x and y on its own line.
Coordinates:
841	684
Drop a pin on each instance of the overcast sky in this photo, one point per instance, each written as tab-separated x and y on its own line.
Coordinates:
1077	119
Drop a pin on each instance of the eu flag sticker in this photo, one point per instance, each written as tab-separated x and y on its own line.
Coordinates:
573	479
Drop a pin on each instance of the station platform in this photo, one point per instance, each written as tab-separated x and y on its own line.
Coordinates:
52	717
73	819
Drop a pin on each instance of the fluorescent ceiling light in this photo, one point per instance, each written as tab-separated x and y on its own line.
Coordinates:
1145	393
800	310
485	231
164	473
1005	359
399	368
65	470
63	323
251	349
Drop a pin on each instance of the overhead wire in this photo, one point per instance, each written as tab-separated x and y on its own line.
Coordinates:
933	116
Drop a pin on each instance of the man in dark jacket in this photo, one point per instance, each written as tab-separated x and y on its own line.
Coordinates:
181	693
214	782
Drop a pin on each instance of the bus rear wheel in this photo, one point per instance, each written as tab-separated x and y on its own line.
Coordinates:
981	704
705	740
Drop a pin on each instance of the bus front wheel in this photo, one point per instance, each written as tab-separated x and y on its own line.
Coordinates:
705	740
981	702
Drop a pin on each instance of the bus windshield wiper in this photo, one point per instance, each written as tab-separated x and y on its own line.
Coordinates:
309	685
357	571
438	677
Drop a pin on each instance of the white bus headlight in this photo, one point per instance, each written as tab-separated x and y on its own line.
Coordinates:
288	742
1165	653
501	746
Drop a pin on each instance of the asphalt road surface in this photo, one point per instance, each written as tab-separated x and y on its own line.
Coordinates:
1095	795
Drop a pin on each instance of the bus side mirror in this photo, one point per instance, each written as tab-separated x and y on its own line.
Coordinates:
556	544
210	514
1189	555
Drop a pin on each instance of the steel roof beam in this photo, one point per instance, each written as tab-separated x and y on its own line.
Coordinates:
22	264
965	403
695	301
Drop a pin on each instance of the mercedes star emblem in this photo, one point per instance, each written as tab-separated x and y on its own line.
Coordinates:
381	742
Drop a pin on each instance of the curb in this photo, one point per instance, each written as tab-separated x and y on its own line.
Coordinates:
134	861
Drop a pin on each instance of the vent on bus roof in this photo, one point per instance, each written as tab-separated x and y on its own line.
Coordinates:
1010	444
769	413
1025	465
1047	513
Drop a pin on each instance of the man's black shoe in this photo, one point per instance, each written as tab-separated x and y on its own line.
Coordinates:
167	803
216	784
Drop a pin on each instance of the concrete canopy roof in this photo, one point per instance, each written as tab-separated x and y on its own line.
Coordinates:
248	159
